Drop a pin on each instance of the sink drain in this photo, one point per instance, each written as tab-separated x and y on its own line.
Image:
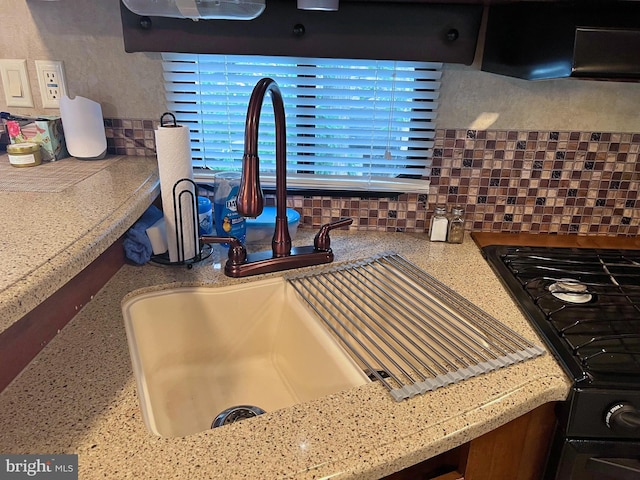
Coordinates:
235	414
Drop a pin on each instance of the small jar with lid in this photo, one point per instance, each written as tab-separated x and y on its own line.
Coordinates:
456	225
438	225
24	154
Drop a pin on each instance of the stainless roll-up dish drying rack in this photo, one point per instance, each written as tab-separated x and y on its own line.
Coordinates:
407	329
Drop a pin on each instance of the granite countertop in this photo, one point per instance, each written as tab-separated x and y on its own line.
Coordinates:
49	236
79	394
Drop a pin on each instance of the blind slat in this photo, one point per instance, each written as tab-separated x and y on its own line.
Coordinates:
238	115
359	123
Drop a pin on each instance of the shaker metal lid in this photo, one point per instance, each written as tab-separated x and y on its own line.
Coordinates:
26	147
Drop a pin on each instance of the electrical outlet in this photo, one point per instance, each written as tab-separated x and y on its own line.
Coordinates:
52	82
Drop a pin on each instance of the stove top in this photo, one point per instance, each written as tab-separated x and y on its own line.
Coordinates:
585	303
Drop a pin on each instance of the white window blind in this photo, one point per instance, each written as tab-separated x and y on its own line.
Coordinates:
361	125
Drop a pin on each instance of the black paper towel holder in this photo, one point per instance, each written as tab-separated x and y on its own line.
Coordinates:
202	253
173	118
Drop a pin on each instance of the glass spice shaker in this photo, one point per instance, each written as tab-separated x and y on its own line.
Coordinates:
438	226
456	225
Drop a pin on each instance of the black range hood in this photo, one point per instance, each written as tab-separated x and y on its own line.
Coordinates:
584	39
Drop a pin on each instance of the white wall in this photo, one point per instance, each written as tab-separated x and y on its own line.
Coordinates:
87	36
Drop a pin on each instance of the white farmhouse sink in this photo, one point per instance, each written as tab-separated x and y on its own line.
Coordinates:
198	351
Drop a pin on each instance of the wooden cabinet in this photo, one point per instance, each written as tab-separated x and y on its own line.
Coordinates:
516	451
408	30
22	341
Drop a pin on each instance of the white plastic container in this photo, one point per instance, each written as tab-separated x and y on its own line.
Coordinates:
201	9
83	127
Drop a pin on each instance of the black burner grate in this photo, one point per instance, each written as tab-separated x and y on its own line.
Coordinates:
586	302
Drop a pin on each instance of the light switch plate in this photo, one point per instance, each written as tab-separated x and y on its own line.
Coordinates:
15	83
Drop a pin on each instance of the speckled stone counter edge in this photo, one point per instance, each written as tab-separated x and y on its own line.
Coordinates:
83	385
26	294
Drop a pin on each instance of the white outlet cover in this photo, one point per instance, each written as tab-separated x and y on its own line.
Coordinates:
42	67
15	83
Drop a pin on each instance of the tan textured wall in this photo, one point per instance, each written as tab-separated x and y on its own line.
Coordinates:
479	100
87	36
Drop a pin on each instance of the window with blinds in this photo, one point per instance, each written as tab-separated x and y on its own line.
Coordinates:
357	125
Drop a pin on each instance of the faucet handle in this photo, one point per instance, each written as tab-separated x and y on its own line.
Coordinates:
237	251
322	242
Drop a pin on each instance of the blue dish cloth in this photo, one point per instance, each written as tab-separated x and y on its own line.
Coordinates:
137	246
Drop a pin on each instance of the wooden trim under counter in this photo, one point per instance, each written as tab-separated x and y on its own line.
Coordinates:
22	341
516	450
483	239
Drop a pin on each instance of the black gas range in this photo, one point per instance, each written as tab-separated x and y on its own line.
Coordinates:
585	303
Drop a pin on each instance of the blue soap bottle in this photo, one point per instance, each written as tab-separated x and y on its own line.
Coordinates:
229	223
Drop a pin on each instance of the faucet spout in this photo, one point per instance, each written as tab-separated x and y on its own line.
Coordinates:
250	197
250	200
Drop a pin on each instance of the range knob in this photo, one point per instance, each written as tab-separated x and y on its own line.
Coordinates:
623	417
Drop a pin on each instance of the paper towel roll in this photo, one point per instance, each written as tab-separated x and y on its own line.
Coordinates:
173	149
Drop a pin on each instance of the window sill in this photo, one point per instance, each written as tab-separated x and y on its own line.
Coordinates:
338	185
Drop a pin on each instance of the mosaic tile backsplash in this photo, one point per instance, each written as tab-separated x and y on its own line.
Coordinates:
508	181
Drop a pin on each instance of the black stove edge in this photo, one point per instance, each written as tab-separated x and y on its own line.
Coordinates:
492	254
